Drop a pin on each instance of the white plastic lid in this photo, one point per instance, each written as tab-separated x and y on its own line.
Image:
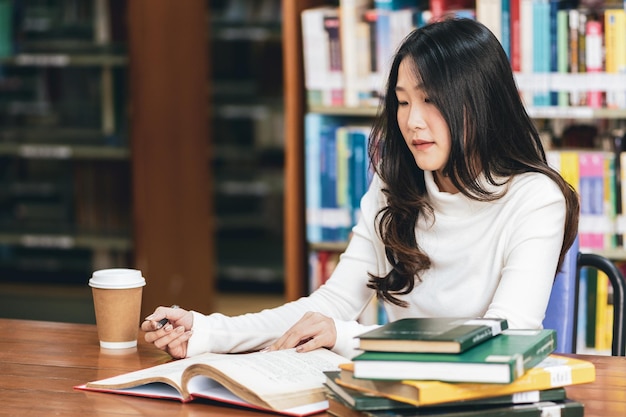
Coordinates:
117	278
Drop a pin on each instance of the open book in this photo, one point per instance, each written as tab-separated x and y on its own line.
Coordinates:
282	381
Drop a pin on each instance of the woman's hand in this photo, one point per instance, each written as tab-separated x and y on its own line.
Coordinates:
312	331
171	336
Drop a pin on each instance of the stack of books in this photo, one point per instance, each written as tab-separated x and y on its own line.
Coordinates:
456	367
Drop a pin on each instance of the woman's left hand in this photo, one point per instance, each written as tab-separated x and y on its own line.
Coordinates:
312	331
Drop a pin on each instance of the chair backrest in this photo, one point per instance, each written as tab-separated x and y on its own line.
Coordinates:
561	314
562	310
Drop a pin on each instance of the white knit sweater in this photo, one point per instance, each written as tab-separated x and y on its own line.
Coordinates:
489	259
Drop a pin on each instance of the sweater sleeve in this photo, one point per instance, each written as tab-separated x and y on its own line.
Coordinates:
343	298
533	248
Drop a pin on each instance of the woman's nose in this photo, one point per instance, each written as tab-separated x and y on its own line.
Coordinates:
416	121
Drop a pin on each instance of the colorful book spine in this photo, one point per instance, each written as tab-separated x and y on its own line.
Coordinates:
573	20
313	203
594	58
505	26
602	341
615	53
360	172
562	53
541	48
344	182
331	221
591	183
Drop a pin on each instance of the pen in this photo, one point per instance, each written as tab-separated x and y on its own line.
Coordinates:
165	320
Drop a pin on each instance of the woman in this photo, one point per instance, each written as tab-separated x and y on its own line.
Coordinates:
464	217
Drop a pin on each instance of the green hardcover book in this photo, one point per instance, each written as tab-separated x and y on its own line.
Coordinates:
501	360
434	335
361	401
564	408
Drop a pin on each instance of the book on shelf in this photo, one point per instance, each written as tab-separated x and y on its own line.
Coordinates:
553	372
594	34
363	401
283	381
354	31
337	175
500	359
431	334
563	408
322	56
615	52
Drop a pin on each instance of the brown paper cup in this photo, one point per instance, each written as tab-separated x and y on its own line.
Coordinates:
117	309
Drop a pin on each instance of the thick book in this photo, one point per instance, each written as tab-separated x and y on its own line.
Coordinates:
283	381
363	401
554	372
564	408
434	335
501	360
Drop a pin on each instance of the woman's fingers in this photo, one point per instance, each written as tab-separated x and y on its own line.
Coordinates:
312	331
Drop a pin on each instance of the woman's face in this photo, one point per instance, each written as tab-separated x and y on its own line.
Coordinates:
423	127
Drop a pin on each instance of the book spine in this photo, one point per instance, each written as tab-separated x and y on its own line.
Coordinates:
489	13
526	45
328	181
601	312
344	185
552	44
358	169
573	20
562	53
541	48
594	58
611	201
312	138
516	52
336	86
351	13
615	53
315	54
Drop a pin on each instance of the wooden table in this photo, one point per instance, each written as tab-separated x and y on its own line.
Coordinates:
41	362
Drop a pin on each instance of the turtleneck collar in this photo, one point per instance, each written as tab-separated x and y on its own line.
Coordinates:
456	204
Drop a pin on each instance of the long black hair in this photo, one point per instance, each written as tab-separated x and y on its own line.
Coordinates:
466	74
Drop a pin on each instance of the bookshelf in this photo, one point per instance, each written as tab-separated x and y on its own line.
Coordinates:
296	245
248	142
102	155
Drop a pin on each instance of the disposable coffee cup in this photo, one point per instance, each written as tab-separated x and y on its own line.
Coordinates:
117	302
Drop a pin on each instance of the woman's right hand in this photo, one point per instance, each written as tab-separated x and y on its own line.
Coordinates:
173	336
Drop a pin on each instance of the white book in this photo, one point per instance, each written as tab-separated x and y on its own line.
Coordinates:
351	14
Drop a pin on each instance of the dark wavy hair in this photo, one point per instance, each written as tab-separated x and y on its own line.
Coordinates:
466	74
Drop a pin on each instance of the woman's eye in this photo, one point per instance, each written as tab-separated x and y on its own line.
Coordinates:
427	100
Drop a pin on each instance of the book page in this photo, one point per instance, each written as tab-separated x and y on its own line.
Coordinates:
277	380
169	373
